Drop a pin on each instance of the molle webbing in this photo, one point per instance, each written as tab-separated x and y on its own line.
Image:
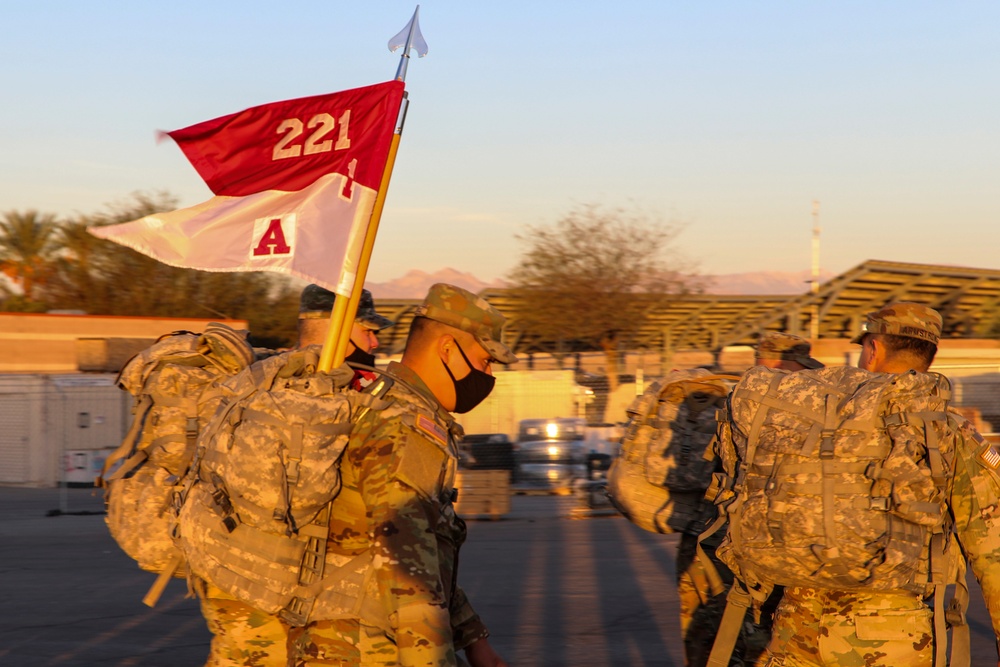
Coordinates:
311	566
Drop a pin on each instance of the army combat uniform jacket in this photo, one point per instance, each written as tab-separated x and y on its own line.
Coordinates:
824	626
398	475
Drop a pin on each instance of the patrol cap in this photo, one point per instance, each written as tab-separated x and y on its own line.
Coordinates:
317	302
786	347
904	318
467	312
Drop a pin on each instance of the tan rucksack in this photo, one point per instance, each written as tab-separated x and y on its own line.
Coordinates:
838	478
659	480
175	386
255	510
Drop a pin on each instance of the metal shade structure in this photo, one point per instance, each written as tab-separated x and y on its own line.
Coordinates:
967	298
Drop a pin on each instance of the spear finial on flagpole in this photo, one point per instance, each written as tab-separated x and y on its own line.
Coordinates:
408	38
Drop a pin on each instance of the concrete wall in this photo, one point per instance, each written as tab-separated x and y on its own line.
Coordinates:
51	343
59	428
525	395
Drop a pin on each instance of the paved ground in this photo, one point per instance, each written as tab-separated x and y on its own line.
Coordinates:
556	591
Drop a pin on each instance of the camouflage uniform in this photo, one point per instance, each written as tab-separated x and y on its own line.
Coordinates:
815	627
242	636
398	474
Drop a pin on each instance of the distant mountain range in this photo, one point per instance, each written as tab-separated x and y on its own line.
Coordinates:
764	282
414	284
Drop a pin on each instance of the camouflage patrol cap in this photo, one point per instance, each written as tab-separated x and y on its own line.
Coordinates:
786	347
316	302
467	312
904	318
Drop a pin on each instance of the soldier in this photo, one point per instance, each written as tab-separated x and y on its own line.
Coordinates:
784	350
398	486
877	629
243	635
700	612
315	305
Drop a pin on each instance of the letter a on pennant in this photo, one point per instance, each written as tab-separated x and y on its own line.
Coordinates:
273	236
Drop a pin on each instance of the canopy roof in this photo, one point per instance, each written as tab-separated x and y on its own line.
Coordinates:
967	299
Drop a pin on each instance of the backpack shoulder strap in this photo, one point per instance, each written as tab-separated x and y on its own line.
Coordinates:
738	601
128	444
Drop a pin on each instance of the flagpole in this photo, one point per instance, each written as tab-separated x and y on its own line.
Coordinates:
339	332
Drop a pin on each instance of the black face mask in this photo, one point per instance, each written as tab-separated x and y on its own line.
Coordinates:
473	388
361	357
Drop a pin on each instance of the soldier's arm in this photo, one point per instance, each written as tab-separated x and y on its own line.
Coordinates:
975	504
466	625
481	654
395	489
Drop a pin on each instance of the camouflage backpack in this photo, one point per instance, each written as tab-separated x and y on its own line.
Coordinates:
838	478
254	513
659	480
175	388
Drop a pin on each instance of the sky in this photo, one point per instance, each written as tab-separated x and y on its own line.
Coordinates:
724	119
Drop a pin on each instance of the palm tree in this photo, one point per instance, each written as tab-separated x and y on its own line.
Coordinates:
26	246
71	281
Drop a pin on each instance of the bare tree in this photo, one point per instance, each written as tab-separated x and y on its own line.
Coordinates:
592	278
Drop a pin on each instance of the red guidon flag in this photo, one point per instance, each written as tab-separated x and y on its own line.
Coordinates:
291	181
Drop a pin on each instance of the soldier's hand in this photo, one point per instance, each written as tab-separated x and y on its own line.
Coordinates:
481	654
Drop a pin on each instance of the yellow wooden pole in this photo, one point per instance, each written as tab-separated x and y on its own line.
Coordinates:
339	333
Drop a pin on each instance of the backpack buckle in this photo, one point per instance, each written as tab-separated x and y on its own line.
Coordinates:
879	503
191	429
894	419
292	472
826	443
295	612
954	615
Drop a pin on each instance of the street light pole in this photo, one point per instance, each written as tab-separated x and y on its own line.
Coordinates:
814	283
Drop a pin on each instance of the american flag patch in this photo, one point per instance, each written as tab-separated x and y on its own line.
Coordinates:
434	430
990	457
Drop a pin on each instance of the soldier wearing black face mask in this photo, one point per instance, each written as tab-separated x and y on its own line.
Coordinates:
398	474
315	306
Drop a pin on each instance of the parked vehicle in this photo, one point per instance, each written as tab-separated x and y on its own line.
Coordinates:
486	451
551	453
554	464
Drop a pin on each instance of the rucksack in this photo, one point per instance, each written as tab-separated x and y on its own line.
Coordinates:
175	386
659	480
839	478
254	512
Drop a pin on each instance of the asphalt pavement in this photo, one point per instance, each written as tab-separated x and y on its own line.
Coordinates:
557	589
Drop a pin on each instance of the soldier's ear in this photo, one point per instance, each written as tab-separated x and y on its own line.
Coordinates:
445	343
878	348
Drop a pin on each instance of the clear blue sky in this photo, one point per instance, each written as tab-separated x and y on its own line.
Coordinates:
727	117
